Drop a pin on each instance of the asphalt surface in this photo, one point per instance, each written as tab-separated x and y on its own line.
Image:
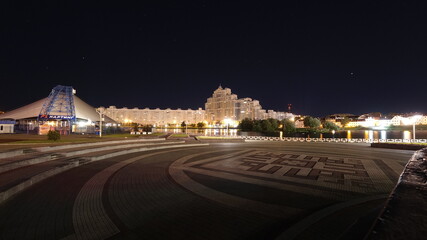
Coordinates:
265	190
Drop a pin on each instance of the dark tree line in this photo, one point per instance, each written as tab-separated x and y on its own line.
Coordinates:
267	125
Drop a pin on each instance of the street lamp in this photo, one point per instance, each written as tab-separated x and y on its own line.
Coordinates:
101	112
227	121
414	120
28	127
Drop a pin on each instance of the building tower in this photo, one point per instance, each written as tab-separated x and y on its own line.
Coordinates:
59	105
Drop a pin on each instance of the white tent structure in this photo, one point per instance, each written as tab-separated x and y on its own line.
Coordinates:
83	110
27	118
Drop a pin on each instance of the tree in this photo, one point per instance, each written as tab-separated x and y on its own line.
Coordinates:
307	121
274	123
53	135
311	122
200	124
147	128
345	121
135	127
183	124
288	127
266	126
330	126
247	125
257	126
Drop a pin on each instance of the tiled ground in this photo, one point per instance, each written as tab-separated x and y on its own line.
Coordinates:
224	191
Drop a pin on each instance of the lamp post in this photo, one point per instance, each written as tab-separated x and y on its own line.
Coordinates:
227	122
28	127
101	111
414	120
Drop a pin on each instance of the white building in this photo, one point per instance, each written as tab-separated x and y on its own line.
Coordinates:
279	115
27	118
396	120
399	120
422	121
157	117
224	105
6	126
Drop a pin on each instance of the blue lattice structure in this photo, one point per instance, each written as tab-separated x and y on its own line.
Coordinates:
59	105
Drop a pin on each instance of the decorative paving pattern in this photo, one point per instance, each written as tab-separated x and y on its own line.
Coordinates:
326	169
221	191
317	175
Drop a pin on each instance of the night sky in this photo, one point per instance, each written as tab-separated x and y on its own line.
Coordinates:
324	57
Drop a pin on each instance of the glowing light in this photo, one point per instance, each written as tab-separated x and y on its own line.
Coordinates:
406	135
416	118
383	134
82	124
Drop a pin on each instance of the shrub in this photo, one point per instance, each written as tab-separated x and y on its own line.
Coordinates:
53	135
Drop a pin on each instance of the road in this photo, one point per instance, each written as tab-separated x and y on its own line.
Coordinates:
262	190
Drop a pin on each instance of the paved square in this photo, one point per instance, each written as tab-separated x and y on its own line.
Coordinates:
313	172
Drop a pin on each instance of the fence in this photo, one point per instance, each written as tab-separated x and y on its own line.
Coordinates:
337	140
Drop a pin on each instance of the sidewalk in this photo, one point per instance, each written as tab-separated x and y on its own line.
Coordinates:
405	215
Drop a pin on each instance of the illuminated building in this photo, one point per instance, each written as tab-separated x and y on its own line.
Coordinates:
225	105
157	117
6	126
383	122
62	110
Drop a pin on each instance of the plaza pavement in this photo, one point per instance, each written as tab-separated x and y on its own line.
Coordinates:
262	190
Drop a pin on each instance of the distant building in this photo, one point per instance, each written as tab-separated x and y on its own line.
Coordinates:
7	126
396	120
224	105
299	123
62	111
156	117
422	121
279	115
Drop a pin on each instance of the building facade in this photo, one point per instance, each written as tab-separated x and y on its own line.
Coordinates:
224	105
155	117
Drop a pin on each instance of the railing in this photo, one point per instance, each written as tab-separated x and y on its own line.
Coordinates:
337	140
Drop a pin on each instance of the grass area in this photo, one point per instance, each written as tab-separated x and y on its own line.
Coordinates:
156	134
121	135
423	144
210	137
73	138
179	135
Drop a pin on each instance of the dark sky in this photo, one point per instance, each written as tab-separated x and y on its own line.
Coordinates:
324	57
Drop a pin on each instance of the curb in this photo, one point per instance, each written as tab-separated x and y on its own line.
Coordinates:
15	153
403	216
398	146
53	156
